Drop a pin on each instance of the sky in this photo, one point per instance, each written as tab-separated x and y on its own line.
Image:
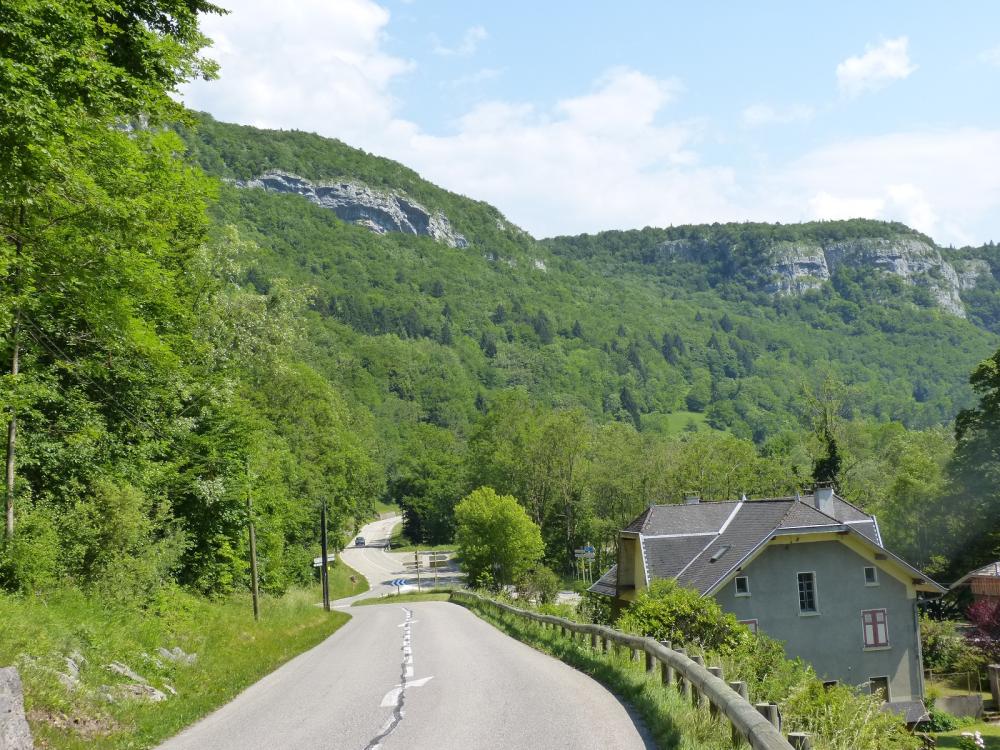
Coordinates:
582	116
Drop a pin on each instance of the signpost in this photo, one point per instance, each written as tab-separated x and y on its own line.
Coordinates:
397	582
584	566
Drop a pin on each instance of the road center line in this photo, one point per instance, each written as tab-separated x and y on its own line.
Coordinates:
397	696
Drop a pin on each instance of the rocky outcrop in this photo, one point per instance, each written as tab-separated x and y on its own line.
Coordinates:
359	204
15	734
798	267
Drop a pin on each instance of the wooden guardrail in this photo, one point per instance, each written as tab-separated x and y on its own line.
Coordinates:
755	724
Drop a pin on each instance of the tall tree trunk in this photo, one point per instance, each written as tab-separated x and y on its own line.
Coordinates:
12	433
15	363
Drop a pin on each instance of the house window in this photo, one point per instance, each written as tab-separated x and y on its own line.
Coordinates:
807	592
871	576
752	624
742	586
875	628
879	685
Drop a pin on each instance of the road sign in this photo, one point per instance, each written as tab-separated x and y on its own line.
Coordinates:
397	582
318	561
584	554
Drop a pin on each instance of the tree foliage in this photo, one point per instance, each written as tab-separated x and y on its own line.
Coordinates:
497	541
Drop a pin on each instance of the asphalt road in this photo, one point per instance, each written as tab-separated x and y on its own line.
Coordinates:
427	675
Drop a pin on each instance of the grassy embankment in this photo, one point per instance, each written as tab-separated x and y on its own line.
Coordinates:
990	733
400	543
41	632
439	595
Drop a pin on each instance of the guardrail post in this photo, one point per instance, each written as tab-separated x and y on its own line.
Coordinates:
695	692
666	669
606	646
800	740
770	712
714	709
744	693
650	662
593	640
682	684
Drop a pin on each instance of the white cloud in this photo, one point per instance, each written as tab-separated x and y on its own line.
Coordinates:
466	46
991	56
876	69
310	64
608	157
946	184
765	114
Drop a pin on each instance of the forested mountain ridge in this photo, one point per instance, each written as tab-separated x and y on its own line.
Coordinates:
658	327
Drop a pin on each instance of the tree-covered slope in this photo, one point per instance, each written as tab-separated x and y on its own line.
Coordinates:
614	323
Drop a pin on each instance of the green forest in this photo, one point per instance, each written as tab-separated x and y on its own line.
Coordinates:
180	353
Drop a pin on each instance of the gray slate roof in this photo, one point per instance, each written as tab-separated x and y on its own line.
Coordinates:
680	541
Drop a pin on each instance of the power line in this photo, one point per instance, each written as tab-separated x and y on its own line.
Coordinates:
52	348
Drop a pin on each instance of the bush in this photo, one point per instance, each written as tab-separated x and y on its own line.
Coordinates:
595	608
943	648
669	612
539	585
845	719
941	721
30	561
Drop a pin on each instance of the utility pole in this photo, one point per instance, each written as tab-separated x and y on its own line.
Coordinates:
324	575
416	563
254	587
15	363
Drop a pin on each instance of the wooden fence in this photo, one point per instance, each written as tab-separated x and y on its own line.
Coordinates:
758	725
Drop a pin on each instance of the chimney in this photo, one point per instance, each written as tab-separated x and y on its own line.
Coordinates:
823	498
692	499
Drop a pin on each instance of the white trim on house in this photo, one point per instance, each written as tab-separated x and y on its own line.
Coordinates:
731	517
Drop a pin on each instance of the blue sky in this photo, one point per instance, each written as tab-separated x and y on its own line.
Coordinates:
576	116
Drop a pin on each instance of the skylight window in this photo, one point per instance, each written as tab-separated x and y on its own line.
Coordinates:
717	555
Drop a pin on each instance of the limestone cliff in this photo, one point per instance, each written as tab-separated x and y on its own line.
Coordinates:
798	267
359	204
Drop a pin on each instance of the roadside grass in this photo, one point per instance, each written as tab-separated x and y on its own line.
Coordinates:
400	543
384	507
339	575
673	723
990	732
439	595
40	632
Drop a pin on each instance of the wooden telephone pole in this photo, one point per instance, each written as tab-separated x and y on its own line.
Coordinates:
254	587
324	575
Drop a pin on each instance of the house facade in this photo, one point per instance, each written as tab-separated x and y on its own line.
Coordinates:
810	571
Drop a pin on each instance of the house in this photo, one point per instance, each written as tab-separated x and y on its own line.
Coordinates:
983	583
810	571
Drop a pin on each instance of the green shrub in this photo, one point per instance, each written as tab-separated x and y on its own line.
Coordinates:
845	719
30	561
944	650
941	721
595	608
539	585
669	612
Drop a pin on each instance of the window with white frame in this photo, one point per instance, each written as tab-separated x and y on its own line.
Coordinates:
742	584
807	593
875	627
871	576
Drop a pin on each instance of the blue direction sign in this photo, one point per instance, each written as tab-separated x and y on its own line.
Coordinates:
397	582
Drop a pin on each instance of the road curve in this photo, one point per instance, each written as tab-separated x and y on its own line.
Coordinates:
422	675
